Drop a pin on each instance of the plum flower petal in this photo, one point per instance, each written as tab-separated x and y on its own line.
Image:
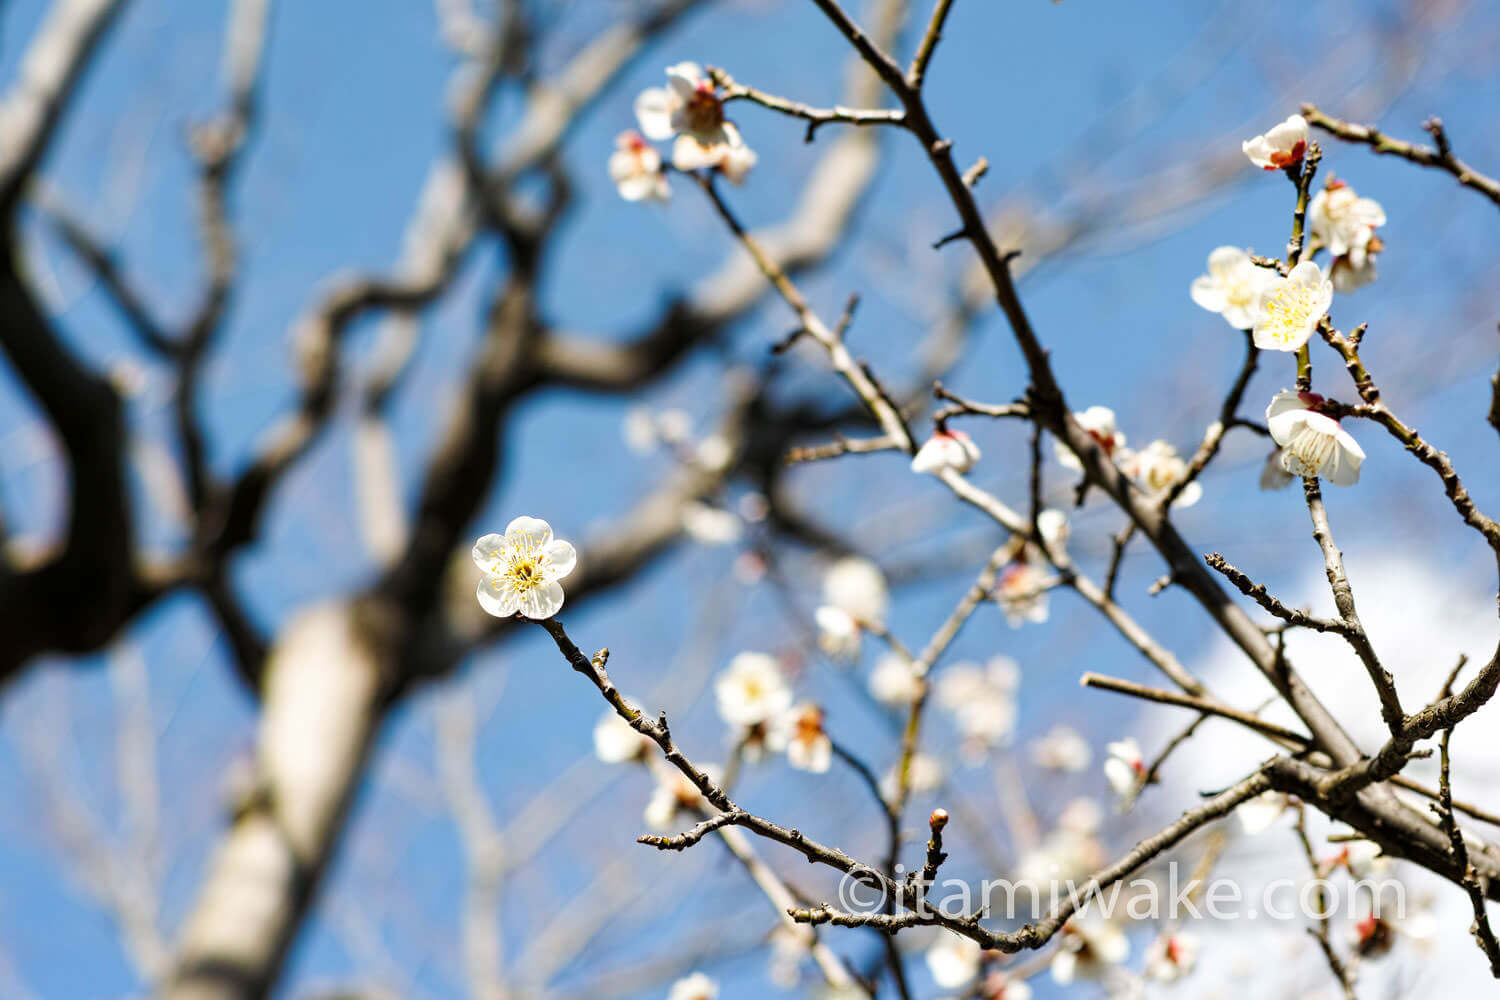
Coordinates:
1099	422
1279	147
1312	443
1291	307
946	450
521	569
1232	287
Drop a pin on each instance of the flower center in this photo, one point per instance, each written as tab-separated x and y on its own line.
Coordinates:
524	572
1307	452
703	111
1288	310
1280	159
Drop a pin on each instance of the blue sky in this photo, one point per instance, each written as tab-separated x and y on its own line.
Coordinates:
1074	104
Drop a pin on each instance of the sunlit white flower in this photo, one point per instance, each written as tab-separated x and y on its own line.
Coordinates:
1063	750
1089	949
946	450
615	741
1232	287
709	525
1156	468
838	632
983	702
752	691
894	682
694	987
1021	593
1312	443
1054	529
857	586
1125	767
1171	956
521	569
673	793
1280	147
800	733
688	105
1099	422
635	167
1261	813
1342	220
1291	307
1362	859
954	960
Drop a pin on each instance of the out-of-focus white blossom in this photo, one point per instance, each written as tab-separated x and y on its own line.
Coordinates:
800	733
983	702
1291	307
838	632
858	587
1099	422
1125	767
926	774
1063	749
946	450
752	691
1232	287
694	987
954	960
709	525
789	949
1021	593
1355	269
1342	220
1054	529
673	793
1312	443
894	682
521	569
1071	851
1259	814
998	986
1088	948
1273	474
635	167
1156	468
1280	147
615	741
1171	956
690	109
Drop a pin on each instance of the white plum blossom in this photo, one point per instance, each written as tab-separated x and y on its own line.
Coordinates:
635	167
694	987
946	450
1099	422
752	691
924	775
894	682
673	793
1070	851
1171	956
838	632
1054	529
858	587
1232	287
1125	767
1355	269
1312	443
1291	307
1342	220
789	949
800	733
521	569
1063	750
1279	147
1156	468
615	741
1259	814
690	109
1022	593
1089	948
983	702
954	960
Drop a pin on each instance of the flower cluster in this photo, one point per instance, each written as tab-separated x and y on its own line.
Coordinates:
1345	224
689	110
